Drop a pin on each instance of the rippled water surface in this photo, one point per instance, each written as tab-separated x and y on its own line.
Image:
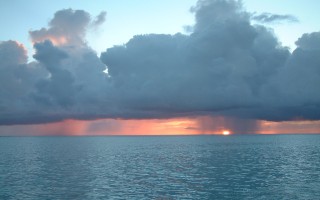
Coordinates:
189	167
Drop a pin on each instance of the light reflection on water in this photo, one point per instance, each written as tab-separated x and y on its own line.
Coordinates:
193	167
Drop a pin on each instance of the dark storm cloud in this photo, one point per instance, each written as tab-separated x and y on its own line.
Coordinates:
273	18
225	67
220	67
309	42
59	88
17	81
294	90
12	53
64	82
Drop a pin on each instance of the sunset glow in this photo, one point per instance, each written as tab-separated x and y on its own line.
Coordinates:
226	132
56	40
176	126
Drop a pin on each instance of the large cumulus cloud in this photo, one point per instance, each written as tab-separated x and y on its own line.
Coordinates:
294	91
220	68
66	79
225	67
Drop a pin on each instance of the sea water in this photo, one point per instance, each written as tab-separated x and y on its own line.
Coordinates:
161	167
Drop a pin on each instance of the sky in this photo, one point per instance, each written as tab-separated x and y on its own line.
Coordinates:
159	67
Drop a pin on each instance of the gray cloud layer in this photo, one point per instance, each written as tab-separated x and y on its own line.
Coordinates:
271	18
225	67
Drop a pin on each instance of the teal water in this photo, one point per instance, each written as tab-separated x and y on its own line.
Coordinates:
173	167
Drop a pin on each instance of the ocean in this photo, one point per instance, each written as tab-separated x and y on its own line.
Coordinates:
161	167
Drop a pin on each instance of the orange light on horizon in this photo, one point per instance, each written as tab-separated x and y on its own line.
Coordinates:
226	132
290	127
175	126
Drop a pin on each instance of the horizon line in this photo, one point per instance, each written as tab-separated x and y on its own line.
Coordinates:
160	135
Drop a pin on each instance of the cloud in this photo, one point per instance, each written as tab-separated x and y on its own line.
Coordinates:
59	88
100	19
219	69
309	42
226	67
12	53
64	82
17	79
67	27
274	18
293	92
223	68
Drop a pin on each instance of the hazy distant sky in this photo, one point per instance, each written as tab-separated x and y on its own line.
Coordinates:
182	66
